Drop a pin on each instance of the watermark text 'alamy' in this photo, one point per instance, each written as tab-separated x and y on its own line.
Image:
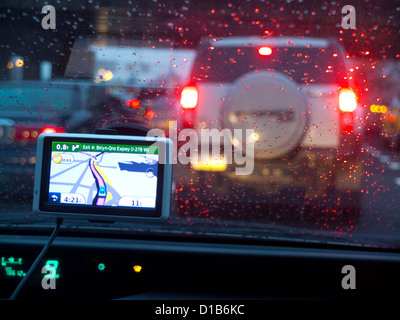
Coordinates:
236	146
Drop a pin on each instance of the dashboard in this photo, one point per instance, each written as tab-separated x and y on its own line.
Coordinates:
137	269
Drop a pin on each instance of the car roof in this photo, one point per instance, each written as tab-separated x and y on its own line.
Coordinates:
273	41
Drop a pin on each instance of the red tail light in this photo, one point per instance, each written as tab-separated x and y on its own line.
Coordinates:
189	97
30	132
149	114
50	129
134	103
265	51
347	104
347	100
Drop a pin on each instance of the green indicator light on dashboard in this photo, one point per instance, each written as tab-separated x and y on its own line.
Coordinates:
12	266
101	267
53	270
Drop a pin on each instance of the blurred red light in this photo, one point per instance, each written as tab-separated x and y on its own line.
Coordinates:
134	103
265	51
50	129
189	97
347	100
149	114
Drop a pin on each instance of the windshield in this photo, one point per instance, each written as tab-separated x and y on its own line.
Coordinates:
307	93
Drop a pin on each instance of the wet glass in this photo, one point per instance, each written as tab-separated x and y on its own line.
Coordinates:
325	166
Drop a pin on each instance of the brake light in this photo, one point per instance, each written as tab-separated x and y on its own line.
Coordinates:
31	131
134	103
149	114
48	130
189	97
265	51
51	129
347	100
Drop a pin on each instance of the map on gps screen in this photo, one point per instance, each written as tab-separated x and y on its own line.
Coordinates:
103	175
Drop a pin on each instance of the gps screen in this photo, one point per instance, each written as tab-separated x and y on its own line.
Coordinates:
95	174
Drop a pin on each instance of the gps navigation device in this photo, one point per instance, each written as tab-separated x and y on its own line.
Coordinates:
103	177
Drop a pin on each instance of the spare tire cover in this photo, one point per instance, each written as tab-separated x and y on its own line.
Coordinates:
273	106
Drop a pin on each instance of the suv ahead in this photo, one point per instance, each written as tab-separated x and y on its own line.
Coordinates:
298	97
294	88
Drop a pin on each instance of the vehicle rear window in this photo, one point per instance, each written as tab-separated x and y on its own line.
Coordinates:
304	65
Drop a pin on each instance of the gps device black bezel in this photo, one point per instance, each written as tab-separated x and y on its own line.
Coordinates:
41	206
